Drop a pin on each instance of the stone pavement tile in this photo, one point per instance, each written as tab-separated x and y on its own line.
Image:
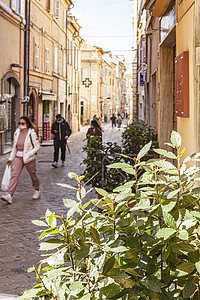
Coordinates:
19	245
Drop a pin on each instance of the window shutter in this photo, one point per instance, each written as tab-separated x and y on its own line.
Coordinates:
70	52
36	56
57	8
47	60
64	64
22	8
56	59
65	19
13	5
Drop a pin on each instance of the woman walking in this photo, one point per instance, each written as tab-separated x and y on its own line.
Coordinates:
94	134
25	146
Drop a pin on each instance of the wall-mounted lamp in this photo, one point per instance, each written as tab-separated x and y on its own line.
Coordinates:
26	100
16	66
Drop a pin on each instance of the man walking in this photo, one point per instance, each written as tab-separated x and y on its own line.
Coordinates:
113	119
61	131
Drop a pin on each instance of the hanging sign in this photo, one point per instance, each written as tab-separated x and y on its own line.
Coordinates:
46	121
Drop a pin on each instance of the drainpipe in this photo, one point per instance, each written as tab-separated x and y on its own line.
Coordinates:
26	55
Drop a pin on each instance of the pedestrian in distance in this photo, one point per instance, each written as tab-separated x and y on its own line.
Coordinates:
25	147
61	131
119	121
113	120
94	135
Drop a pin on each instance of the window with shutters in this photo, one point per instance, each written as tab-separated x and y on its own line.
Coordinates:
55	59
18	6
69	52
57	8
36	56
64	20
47	61
76	59
64	64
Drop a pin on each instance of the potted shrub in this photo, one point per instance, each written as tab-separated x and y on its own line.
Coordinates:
146	252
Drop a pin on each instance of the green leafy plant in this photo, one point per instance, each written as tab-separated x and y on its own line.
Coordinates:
149	251
95	157
136	136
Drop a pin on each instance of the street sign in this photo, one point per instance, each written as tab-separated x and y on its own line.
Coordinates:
142	79
87	82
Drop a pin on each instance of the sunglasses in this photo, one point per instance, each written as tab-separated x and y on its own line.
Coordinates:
21	123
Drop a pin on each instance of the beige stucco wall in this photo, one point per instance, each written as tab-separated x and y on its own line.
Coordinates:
185	42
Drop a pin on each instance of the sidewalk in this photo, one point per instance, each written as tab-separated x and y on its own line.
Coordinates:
18	238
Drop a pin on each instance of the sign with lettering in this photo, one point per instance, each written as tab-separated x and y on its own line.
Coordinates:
46	121
182	85
142	79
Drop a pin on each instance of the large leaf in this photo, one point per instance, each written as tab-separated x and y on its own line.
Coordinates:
109	264
102	192
82	253
144	150
165	233
175	139
51	244
187	267
183	235
95	235
69	203
190	287
165	153
39	223
169	220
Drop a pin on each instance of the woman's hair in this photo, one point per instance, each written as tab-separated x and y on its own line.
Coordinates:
96	125
28	122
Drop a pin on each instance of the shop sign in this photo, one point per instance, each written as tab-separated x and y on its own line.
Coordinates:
182	85
46	121
142	79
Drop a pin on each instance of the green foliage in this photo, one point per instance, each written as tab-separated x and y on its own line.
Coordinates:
136	136
149	251
93	164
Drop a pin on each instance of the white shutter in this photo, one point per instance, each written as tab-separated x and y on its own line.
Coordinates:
36	56
64	20
56	59
47	60
13	5
22	8
64	64
57	8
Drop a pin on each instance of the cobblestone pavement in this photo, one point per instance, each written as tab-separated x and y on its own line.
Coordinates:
18	237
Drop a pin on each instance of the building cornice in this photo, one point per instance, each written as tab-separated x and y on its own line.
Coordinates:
41	75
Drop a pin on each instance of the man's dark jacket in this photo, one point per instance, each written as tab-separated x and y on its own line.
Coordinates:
63	131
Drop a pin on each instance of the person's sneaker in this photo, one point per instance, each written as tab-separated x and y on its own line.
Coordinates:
7	197
62	163
55	164
36	195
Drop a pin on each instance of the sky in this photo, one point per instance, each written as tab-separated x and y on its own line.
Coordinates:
106	24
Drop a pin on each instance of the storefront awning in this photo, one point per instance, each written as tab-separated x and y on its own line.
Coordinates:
48	96
159	7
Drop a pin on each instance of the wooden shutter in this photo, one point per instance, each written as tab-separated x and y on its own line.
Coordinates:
13	5
57	8
55	59
22	8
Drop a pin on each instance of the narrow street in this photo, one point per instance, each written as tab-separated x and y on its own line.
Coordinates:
19	240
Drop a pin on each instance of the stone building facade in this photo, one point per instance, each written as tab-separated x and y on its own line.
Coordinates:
12	24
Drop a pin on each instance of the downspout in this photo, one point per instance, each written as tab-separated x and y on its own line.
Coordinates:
26	56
